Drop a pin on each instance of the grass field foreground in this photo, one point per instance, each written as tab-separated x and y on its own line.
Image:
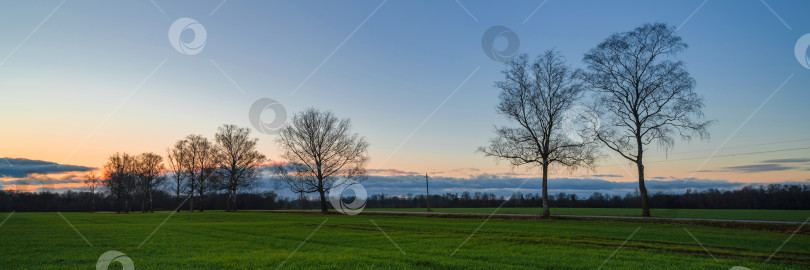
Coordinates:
248	240
743	214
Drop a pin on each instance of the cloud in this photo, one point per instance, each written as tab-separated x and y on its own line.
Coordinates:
466	170
759	168
771	165
787	160
59	182
20	167
40	181
387	172
606	175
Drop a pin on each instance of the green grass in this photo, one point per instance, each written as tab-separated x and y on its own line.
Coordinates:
250	240
785	215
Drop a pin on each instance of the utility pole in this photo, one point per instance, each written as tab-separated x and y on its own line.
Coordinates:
427	188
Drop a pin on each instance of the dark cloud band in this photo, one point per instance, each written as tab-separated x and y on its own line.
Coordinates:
20	167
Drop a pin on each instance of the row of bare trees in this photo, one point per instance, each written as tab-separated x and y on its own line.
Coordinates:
318	148
133	178
641	94
199	166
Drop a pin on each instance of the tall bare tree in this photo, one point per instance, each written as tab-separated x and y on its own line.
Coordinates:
325	148
178	157
119	179
149	168
534	96
200	167
645	95
92	182
239	160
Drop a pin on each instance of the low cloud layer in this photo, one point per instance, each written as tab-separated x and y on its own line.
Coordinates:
760	168
788	160
20	167
771	165
25	172
606	175
505	186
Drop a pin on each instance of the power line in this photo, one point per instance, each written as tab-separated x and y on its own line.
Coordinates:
727	155
732	147
742	154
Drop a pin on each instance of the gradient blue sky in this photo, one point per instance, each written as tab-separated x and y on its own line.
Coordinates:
69	90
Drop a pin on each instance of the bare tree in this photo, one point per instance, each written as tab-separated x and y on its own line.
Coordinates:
120	179
92	182
644	95
149	168
178	157
534	96
200	167
239	160
326	149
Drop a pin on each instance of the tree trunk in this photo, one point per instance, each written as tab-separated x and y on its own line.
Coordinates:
546	212
201	201
233	203
324	210
191	200
228	201
177	198
151	203
645	208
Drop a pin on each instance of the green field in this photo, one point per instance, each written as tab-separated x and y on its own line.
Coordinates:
250	240
750	214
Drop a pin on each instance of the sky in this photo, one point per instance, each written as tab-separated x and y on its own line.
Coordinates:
80	80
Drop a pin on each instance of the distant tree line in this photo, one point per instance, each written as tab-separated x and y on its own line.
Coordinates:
774	196
73	201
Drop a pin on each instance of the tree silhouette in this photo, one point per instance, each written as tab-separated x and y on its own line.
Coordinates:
149	169
239	160
534	96
325	149
643	95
